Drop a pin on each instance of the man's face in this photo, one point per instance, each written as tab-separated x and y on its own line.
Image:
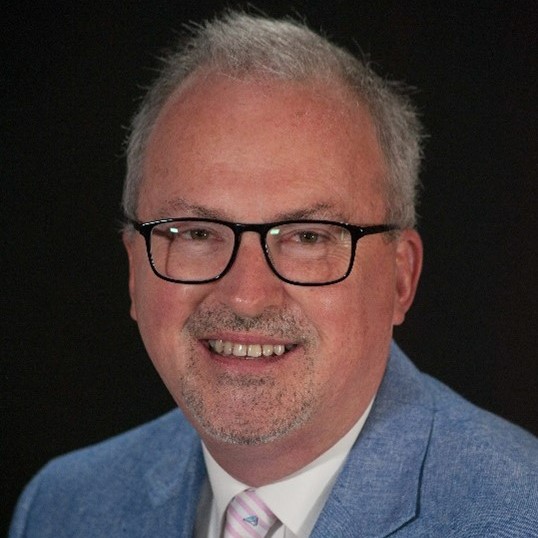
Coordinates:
255	152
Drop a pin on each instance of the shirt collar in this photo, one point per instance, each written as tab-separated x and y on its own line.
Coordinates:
297	500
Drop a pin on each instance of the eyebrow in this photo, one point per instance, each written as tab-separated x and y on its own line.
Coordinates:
319	211
179	206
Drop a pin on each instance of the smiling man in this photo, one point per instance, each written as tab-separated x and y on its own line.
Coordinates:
262	150
270	233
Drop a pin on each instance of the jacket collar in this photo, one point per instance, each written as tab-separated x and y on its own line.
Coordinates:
378	489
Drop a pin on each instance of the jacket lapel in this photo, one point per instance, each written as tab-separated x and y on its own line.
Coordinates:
173	486
378	489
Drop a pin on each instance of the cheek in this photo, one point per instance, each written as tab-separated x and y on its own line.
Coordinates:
354	317
161	310
352	306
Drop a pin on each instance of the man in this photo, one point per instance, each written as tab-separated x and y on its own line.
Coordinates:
270	233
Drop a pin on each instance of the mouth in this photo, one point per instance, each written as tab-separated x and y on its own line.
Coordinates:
248	351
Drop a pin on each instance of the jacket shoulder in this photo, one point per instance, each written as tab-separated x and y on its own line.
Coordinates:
480	471
476	434
125	456
456	422
478	474
102	484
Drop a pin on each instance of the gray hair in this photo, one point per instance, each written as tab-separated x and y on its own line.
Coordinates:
238	45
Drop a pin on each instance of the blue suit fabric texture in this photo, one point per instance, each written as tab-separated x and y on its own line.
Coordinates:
426	464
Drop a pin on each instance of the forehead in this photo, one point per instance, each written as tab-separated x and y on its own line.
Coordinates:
221	143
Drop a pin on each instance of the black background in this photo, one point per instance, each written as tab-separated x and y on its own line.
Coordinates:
73	368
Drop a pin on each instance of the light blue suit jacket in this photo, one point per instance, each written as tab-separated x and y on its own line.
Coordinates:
427	463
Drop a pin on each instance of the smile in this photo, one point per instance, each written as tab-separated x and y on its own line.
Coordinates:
248	351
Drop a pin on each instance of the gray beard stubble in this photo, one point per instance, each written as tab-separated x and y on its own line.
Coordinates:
276	324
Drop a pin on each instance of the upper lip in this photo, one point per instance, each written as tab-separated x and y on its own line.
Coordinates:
249	339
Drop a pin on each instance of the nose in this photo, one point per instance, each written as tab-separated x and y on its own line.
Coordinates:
250	286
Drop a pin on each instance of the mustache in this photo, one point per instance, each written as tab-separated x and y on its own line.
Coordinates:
272	322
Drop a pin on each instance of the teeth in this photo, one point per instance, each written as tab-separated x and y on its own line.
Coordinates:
254	350
249	351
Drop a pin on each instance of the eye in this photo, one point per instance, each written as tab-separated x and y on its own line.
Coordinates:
188	232
314	235
308	237
197	234
306	234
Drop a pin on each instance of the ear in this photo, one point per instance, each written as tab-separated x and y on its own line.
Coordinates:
128	242
409	253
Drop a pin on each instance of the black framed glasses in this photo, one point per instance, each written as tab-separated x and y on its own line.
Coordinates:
300	252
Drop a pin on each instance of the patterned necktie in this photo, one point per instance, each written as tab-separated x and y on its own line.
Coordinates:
247	516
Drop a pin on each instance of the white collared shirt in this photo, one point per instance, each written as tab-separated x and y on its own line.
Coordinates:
296	500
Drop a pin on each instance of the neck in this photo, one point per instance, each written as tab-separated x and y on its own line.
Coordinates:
267	463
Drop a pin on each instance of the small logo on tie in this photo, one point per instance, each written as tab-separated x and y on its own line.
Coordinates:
253	520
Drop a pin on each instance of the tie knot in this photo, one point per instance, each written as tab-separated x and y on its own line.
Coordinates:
247	516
